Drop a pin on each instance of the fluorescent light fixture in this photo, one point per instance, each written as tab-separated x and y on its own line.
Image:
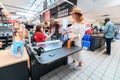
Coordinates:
13	17
3	6
24	14
69	2
44	11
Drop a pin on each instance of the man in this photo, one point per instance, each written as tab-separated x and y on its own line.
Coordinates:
109	32
46	27
54	28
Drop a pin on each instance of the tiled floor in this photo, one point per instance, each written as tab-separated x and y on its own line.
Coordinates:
96	66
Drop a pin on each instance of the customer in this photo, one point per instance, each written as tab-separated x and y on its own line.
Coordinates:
89	31
54	28
109	32
78	31
46	27
60	32
95	29
39	36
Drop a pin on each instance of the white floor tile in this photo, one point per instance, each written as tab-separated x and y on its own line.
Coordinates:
106	78
83	76
44	77
55	78
77	78
51	74
61	74
65	78
72	75
95	77
90	79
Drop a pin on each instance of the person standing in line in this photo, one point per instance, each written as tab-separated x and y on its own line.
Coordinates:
109	32
54	28
60	32
46	27
78	31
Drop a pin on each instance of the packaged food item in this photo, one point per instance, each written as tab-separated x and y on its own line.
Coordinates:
69	44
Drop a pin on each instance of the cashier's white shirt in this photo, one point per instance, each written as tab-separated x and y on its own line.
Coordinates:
77	30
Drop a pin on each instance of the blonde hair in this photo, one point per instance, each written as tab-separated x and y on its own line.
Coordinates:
79	17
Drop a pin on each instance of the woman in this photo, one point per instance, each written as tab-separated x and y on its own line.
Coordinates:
78	31
39	36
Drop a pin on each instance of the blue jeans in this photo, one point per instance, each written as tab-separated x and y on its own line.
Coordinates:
108	45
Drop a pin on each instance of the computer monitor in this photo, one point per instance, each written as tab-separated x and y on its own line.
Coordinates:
27	26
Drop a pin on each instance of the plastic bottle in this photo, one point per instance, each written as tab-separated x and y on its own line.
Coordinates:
68	44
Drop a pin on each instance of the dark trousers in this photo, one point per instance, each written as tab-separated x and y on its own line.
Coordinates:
108	45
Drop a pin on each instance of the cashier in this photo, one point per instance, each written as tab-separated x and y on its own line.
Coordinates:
39	36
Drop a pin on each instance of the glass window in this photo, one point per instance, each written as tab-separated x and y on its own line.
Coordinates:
38	5
48	2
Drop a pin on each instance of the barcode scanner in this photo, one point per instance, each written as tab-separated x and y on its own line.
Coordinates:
39	50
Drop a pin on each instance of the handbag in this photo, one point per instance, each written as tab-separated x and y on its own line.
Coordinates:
65	43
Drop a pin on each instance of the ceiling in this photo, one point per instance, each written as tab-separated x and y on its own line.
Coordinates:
26	7
17	6
99	15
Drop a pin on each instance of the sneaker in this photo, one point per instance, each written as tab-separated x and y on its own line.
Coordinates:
71	64
77	67
108	54
105	52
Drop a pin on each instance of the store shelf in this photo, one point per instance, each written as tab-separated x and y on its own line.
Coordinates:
2	40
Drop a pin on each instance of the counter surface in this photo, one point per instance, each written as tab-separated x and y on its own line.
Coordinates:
98	35
7	59
51	56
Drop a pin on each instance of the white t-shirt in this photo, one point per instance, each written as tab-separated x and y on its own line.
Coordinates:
77	30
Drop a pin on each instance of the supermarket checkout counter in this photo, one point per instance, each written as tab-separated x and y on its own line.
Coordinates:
12	68
96	41
54	56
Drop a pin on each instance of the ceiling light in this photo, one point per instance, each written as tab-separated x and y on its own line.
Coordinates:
24	14
69	2
106	15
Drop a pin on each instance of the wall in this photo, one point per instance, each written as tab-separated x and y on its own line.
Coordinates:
92	5
70	20
117	26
